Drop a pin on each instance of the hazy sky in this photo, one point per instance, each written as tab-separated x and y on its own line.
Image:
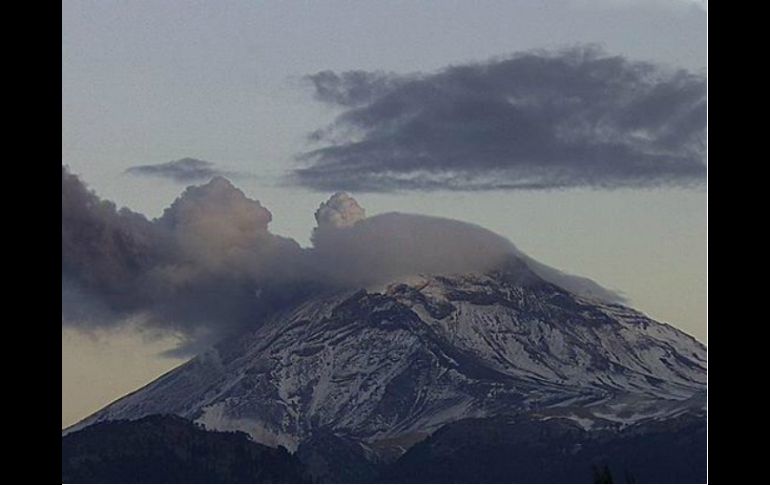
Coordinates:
150	82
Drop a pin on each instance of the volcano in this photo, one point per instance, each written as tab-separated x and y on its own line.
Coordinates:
386	367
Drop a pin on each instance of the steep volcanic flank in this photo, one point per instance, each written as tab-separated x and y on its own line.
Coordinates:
387	366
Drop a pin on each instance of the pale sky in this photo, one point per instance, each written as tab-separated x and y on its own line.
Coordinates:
146	82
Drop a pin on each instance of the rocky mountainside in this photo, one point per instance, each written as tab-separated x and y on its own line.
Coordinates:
385	367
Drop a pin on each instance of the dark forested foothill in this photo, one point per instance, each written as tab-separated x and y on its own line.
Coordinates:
169	449
503	449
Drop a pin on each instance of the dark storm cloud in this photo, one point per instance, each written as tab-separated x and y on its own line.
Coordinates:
535	120
184	170
352	88
210	267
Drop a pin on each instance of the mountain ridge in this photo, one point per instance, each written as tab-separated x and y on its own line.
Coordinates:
382	364
500	449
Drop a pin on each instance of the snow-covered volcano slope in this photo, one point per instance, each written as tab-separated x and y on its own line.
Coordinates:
392	364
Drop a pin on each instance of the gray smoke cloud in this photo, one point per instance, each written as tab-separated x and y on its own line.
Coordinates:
390	246
196	271
535	120
209	266
183	170
105	249
341	210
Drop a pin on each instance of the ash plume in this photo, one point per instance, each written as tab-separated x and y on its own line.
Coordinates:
210	267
